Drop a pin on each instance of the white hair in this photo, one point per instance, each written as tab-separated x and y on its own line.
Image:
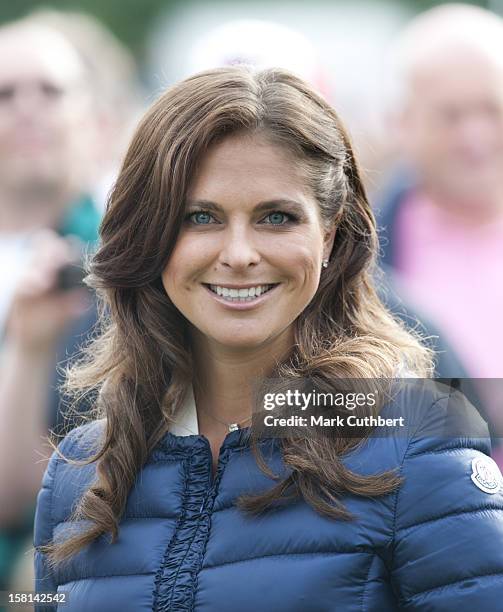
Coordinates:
435	34
56	47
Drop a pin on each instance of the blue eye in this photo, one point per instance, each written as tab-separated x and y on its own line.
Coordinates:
278	218
200	217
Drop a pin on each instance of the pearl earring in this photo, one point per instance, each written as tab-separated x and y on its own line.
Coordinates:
325	263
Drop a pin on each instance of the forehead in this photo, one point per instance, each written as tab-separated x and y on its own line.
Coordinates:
38	53
248	165
459	74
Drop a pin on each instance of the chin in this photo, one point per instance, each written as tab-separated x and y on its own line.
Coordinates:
242	341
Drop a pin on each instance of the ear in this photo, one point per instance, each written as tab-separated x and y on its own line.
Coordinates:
328	242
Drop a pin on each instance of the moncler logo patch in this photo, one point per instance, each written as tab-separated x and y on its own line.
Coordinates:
486	474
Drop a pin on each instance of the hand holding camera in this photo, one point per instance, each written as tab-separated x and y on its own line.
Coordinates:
50	293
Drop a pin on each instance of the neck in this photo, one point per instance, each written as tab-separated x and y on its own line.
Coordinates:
473	211
225	378
28	210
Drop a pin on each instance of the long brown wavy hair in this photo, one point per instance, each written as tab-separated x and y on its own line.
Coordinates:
139	367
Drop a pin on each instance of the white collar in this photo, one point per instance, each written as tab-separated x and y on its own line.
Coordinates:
186	421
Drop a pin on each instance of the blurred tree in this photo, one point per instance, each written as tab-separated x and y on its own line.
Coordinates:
129	20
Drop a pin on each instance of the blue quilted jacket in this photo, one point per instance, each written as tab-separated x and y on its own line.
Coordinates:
434	545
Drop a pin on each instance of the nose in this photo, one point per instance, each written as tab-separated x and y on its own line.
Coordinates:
31	100
238	250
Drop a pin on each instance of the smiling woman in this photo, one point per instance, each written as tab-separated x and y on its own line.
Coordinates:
238	245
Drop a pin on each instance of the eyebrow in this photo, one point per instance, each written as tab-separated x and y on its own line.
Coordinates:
268	205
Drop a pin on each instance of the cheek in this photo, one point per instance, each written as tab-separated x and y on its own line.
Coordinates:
174	275
301	262
306	263
498	137
189	257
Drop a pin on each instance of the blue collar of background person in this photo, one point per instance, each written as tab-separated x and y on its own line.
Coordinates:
82	219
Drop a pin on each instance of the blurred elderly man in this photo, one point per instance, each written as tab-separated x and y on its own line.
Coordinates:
444	225
47	126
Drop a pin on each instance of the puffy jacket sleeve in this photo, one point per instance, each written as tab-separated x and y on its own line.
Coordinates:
45	580
447	552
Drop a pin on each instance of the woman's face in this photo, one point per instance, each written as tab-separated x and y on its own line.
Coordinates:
249	256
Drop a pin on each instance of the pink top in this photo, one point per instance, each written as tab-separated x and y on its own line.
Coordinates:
453	271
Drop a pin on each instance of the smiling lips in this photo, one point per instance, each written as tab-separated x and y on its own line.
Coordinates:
240	294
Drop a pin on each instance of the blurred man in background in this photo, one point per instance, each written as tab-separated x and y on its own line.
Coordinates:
444	218
47	135
54	130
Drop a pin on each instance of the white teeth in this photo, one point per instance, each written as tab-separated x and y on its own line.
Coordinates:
240	295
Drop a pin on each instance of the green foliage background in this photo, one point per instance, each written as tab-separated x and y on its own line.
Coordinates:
131	20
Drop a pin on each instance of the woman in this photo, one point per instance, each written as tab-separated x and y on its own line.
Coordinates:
238	246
